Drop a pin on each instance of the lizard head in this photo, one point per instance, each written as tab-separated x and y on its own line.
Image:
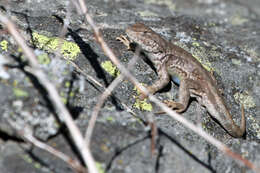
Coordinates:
148	40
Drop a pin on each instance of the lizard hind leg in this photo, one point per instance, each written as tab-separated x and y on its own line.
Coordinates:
184	97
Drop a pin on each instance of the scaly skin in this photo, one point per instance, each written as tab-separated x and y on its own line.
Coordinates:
195	81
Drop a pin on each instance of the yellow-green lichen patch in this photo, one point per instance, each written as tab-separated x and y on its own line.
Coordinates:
63	97
196	44
72	94
100	167
20	93
64	100
104	148
67	84
167	3
147	13
43	58
37	165
245	99
198	52
238	20
143	105
110	119
4	45
27	158
254	124
68	49
252	53
236	61
110	68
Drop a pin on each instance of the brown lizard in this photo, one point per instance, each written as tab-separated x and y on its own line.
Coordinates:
194	80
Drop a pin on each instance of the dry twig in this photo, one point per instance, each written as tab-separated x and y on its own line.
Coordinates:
102	99
26	133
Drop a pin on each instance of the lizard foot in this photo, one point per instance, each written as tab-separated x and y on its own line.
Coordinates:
150	89
178	107
125	41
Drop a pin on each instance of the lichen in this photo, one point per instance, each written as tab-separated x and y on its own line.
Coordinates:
197	52
167	3
20	93
110	119
245	99
254	124
141	104
147	13
110	68
68	49
43	58
238	20
100	167
4	45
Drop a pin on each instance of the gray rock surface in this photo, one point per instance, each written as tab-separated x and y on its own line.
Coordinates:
223	35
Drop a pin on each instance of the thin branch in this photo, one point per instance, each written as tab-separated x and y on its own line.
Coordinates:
53	94
85	74
153	131
26	133
102	99
170	112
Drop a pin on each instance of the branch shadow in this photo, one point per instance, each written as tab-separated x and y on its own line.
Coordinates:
195	158
121	150
92	57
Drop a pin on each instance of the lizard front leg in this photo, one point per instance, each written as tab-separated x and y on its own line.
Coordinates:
163	80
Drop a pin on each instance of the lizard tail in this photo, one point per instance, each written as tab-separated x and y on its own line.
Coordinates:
235	130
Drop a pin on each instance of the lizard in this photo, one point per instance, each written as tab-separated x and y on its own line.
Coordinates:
194	80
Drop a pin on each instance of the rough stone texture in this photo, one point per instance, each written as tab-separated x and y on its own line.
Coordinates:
223	35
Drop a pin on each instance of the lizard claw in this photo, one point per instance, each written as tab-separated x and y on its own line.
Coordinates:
125	41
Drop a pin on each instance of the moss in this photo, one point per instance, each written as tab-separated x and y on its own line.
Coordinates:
110	68
68	49
20	93
4	45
